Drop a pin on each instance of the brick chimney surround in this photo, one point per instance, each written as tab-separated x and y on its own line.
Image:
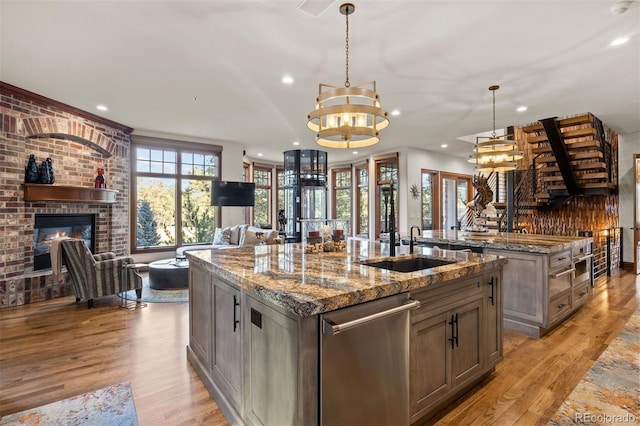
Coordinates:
78	143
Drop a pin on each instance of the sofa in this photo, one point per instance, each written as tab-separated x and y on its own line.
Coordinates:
242	235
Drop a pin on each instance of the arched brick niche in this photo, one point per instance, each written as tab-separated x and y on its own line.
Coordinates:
57	128
77	142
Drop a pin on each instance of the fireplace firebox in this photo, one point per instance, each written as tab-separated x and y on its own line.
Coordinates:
49	226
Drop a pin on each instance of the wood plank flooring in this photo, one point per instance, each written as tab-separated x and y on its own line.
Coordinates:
57	349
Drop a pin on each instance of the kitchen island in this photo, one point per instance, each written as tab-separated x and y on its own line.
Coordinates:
255	317
547	279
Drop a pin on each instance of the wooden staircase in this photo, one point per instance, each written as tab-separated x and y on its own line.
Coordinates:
572	161
567	157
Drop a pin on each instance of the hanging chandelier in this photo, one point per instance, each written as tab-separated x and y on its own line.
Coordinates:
347	117
495	153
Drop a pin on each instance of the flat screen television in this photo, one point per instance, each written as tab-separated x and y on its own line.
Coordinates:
241	194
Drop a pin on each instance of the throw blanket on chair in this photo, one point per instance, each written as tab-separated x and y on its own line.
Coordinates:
55	252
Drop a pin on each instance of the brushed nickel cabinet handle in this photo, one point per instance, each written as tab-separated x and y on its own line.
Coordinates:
331	327
559	274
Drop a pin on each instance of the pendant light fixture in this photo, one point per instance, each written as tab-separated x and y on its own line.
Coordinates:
495	154
347	117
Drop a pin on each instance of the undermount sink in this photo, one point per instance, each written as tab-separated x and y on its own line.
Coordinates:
411	264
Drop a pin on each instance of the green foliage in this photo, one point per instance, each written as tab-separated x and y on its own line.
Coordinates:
146	229
364	210
261	206
343	203
198	219
160	193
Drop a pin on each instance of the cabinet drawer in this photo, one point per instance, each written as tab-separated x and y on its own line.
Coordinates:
558	306
582	250
580	294
441	298
559	260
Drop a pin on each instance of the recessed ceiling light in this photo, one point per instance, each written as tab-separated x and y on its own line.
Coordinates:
444	145
296	143
101	107
619	41
259	154
521	108
355	152
287	79
395	112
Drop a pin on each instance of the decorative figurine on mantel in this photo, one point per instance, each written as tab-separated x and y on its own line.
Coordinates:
100	181
31	170
46	172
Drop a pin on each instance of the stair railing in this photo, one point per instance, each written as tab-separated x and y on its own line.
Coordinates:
605	147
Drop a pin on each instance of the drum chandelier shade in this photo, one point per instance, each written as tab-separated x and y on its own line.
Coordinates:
495	154
347	117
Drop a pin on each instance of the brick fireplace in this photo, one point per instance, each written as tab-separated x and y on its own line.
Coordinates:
77	142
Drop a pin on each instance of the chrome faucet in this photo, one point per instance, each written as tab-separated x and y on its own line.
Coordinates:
411	240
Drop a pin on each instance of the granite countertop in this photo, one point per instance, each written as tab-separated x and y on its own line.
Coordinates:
531	243
312	283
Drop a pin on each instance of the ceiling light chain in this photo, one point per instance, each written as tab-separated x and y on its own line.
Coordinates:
346	14
347	117
493	90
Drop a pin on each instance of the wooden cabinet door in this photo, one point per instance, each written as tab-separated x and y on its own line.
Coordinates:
271	383
525	292
466	361
430	377
200	314
493	319
226	362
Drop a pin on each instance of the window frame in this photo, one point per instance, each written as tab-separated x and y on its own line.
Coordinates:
362	185
457	177
435	199
379	183
335	188
268	188
179	147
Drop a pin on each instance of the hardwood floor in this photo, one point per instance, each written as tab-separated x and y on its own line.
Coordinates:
56	349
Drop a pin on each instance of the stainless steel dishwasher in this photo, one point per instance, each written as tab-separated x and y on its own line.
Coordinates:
364	363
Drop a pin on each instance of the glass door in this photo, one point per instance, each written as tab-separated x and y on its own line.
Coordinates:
429	197
449	203
455	196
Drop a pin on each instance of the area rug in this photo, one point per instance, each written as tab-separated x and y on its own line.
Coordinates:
108	406
159	296
610	391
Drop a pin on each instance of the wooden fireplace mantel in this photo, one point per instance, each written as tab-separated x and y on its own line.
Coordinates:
68	193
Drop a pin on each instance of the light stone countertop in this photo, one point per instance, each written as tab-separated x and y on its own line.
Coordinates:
530	243
312	283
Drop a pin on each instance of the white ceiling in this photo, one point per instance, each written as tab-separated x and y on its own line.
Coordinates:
433	60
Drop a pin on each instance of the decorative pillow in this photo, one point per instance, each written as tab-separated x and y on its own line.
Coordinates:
251	237
234	238
271	235
222	236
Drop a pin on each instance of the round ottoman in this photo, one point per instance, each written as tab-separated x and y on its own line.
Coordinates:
168	273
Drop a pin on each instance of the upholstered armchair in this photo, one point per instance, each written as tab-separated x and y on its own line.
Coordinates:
98	275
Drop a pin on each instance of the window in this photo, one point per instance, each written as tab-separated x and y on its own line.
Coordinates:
455	196
171	191
362	200
262	206
280	189
429	200
342	193
386	173
280	204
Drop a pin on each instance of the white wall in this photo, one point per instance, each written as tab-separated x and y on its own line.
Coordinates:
628	145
